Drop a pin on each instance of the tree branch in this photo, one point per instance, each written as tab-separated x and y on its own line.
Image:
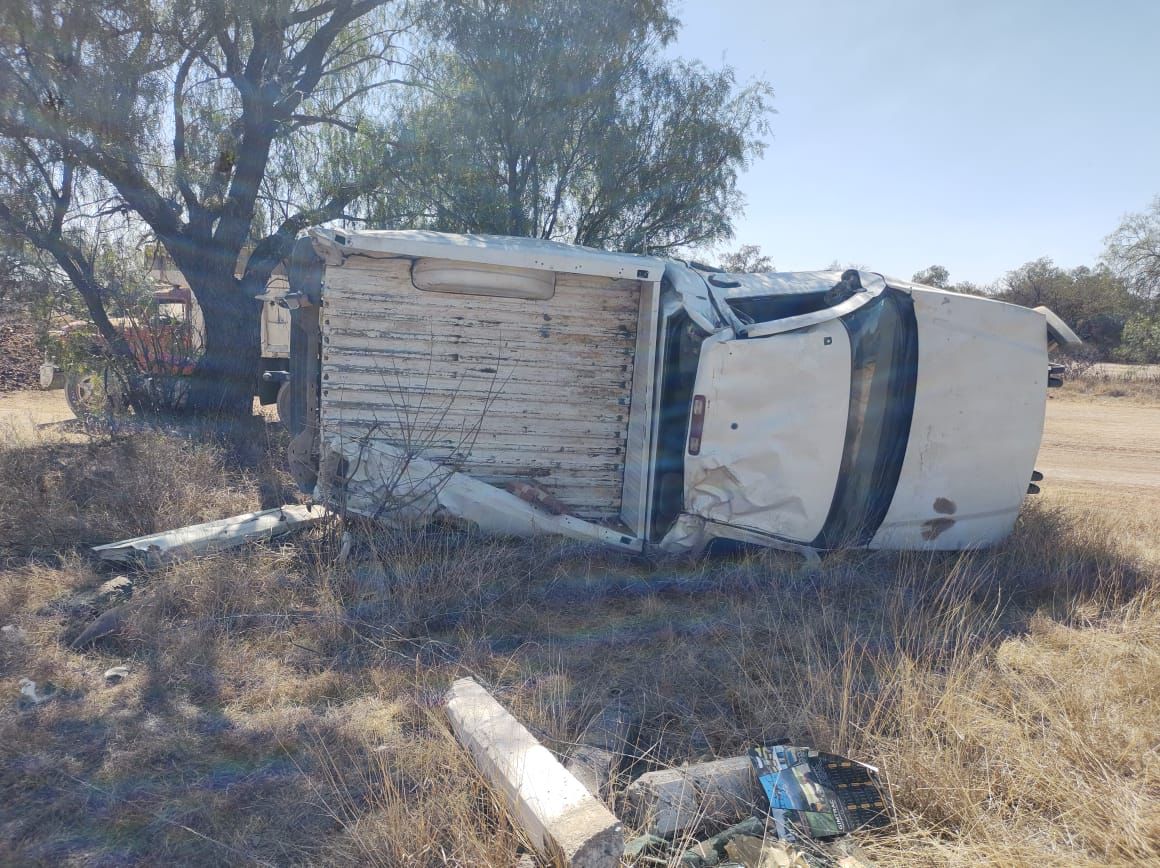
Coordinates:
179	169
301	121
79	270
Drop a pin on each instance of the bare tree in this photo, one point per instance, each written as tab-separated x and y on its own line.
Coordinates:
1133	251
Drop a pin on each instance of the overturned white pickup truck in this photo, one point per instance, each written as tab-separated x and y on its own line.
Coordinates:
534	387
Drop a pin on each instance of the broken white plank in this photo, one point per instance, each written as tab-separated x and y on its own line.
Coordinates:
562	819
199	539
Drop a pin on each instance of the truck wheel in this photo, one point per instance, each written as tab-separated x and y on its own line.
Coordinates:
283	403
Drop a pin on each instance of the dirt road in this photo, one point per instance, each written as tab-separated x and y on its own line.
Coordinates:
1101	442
1100	460
23	414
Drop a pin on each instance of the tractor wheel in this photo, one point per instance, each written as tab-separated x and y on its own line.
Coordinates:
95	397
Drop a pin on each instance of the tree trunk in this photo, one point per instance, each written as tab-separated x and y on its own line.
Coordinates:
227	373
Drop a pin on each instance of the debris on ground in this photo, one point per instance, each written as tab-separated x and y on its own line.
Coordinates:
818	795
754	852
712	851
779	806
116	674
31	696
562	820
12	633
213	536
673	802
107	624
642	844
750	851
605	741
115	590
804	804
121	586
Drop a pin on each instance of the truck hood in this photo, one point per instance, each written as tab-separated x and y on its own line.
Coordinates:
771	466
980	397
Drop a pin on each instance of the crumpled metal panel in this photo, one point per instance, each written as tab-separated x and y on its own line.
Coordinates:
690	534
385	482
787	282
775	426
692	287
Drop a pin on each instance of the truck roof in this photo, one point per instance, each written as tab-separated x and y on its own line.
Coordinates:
532	253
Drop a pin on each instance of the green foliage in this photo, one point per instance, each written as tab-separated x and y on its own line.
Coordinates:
560	120
1140	343
939	277
746	259
1094	302
936	276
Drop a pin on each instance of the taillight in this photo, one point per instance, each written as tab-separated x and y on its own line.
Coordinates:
697	424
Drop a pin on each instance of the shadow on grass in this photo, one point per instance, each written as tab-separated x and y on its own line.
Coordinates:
282	708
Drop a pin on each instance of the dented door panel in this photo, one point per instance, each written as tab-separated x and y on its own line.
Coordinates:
774	427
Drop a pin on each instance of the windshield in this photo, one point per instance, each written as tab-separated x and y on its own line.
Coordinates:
884	361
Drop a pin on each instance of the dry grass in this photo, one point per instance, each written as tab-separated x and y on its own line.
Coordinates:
1116	382
285	710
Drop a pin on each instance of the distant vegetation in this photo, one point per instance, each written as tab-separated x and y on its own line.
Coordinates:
1114	306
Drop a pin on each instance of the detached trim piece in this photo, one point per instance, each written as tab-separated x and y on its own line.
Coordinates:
385	482
212	536
563	821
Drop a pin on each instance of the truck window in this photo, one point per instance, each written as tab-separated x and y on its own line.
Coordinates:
768	308
884	357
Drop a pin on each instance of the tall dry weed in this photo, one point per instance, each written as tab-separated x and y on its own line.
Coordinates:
69	495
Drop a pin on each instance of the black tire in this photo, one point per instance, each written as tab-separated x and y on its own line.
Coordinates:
283	403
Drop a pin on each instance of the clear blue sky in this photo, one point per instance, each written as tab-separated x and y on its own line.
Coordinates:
976	134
